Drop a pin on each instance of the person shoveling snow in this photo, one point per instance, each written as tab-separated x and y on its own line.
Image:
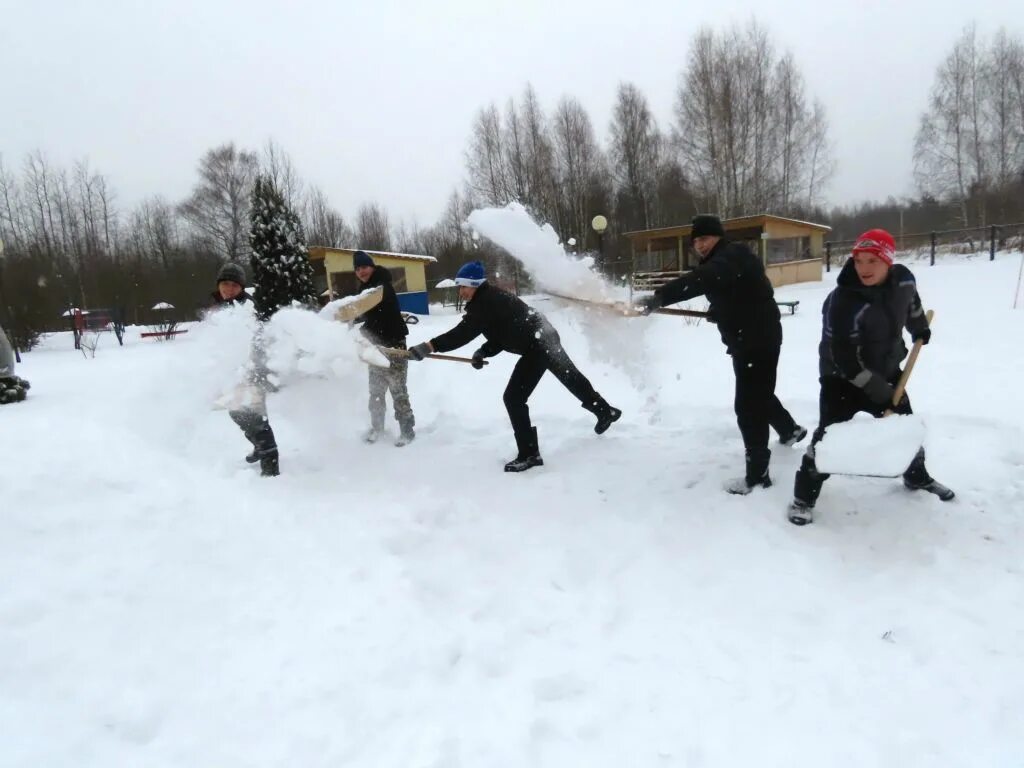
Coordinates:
12	388
859	359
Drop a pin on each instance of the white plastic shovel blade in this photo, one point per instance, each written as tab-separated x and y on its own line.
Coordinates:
869	446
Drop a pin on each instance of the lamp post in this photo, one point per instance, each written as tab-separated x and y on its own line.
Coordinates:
599	224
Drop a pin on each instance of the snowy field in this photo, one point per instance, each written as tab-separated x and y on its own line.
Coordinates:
163	605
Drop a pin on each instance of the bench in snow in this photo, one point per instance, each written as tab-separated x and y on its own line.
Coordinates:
790	305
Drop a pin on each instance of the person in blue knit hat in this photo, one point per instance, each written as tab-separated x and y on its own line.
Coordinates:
509	325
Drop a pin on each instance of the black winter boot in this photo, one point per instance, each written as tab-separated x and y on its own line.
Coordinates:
606	414
257	431
529	453
756	474
916	478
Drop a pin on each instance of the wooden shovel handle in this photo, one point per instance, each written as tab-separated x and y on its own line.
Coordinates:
901	385
404	353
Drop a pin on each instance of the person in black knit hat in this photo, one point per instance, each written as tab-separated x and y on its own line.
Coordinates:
384	326
251	417
742	303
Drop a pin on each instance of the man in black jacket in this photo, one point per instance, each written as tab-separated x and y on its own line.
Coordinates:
743	305
384	326
510	325
860	354
252	417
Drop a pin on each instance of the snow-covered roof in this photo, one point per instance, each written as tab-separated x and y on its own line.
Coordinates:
446	283
163	305
317	251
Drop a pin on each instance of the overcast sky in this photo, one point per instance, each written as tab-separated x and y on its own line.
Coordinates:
374	100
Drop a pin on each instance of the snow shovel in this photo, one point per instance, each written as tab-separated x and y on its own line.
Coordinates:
351	307
870	447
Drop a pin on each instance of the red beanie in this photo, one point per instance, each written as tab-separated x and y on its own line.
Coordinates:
878	242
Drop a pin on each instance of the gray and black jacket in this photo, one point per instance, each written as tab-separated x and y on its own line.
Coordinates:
862	327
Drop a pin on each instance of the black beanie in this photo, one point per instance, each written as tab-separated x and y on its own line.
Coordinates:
362	259
232	272
705	224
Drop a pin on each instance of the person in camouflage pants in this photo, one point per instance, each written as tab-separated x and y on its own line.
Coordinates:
385	327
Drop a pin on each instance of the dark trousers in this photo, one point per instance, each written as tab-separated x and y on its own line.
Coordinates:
756	405
546	356
840	401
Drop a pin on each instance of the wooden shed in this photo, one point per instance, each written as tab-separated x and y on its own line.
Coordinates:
335	276
792	250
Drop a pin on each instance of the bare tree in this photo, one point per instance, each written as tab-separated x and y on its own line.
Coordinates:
578	161
373	231
747	138
323	224
634	155
219	205
486	158
277	165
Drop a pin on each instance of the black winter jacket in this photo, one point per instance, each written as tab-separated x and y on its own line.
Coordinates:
507	322
862	327
383	324
217	302
741	297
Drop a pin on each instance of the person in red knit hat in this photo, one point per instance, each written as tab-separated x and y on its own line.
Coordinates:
860	354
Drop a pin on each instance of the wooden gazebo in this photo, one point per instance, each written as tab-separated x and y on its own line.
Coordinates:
790	249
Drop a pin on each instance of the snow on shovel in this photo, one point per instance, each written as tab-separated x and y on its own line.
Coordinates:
875	447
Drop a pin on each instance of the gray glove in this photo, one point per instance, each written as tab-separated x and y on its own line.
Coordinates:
648	304
878	390
419	351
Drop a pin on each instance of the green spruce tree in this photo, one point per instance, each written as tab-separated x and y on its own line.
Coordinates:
281	272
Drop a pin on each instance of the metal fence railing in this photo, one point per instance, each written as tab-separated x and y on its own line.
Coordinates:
993	238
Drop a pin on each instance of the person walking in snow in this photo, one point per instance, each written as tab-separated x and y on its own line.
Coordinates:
251	417
743	305
860	354
384	326
509	325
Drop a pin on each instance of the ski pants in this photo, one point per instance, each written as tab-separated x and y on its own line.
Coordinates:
547	355
756	404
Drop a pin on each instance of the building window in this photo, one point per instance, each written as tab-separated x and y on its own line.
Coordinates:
347	284
788	249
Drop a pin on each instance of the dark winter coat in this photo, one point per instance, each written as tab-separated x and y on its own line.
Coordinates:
217	302
741	297
862	327
507	322
383	324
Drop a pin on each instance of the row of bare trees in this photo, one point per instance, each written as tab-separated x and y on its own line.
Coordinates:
969	149
67	242
746	138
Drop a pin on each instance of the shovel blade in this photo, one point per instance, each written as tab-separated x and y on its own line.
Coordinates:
870	447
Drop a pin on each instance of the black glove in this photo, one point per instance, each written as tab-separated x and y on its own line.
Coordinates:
923	336
878	390
478	359
648	304
420	351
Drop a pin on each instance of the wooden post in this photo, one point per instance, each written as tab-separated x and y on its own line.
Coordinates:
992	244
933	249
828	256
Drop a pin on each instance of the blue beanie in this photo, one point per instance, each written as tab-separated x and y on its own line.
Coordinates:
471	274
362	259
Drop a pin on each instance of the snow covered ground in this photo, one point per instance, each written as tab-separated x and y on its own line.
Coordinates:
163	605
